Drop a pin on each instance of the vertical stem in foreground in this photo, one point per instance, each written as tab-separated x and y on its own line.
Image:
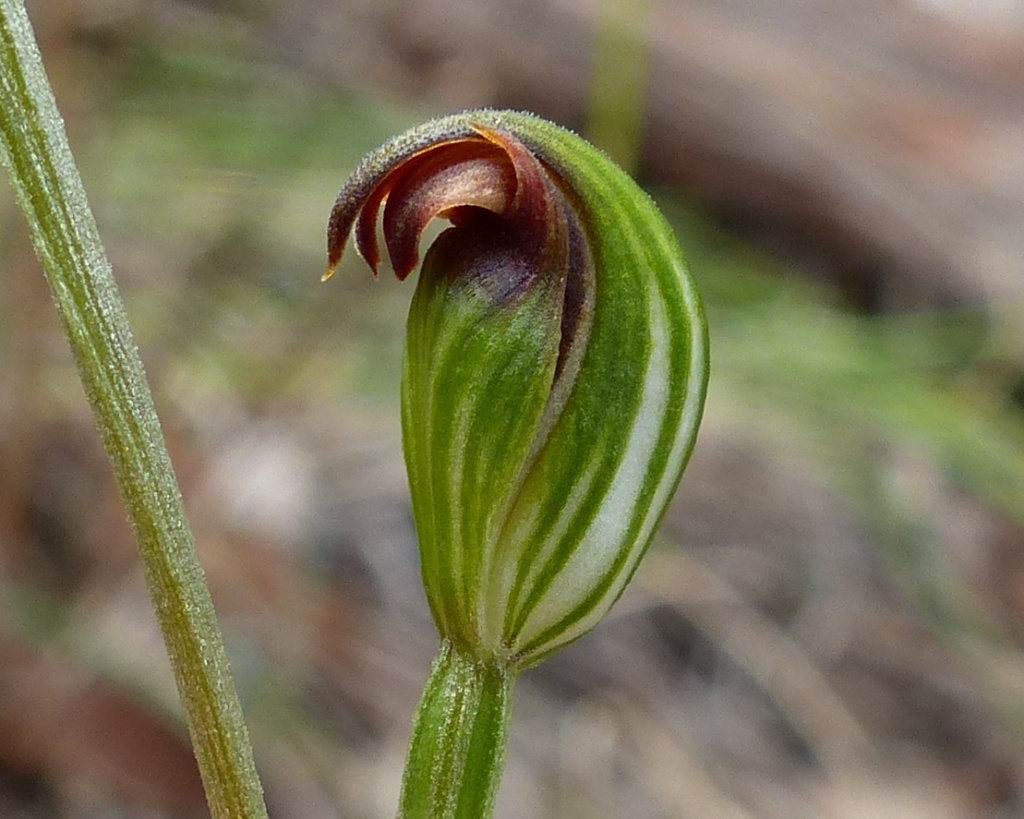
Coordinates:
35	152
457	751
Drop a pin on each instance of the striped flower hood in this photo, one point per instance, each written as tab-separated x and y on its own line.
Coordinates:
554	373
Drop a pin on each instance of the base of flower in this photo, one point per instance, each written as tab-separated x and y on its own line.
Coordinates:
457	751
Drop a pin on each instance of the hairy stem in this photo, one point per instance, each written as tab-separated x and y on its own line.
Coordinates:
35	152
457	751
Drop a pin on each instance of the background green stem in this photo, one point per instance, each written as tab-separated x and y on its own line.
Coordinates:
35	152
457	751
620	74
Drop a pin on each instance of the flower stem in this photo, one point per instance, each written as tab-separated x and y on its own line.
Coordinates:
35	152
457	751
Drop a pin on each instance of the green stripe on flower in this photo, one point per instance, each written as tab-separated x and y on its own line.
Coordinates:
555	370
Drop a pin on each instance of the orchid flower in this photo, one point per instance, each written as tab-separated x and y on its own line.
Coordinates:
554	376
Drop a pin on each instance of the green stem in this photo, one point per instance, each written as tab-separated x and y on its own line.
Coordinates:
619	81
457	751
35	152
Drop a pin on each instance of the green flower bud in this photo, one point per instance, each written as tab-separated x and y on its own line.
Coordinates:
554	375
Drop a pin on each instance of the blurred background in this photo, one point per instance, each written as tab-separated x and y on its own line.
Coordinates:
830	621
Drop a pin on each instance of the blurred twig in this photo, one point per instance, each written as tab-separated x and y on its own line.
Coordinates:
770	656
